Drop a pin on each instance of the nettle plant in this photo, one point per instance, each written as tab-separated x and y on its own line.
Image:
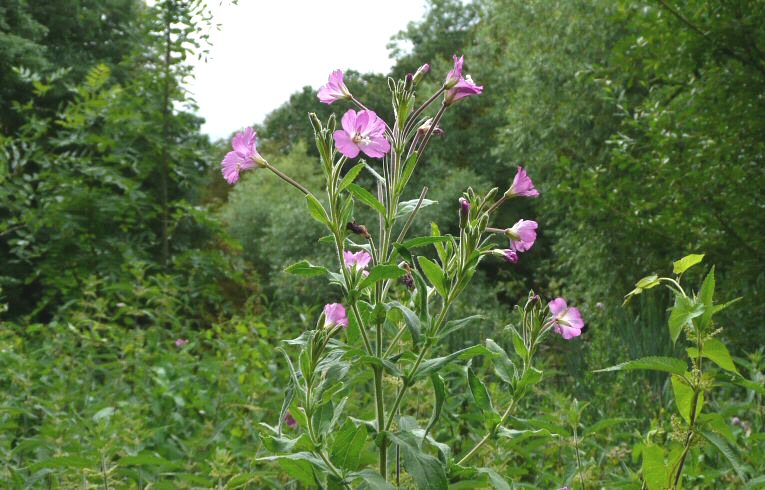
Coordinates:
664	455
396	301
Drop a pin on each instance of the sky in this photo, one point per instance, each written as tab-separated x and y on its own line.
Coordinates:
268	49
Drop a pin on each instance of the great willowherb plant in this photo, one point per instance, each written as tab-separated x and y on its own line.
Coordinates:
663	461
395	300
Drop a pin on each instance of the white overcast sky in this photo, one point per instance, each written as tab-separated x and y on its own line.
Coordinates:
268	49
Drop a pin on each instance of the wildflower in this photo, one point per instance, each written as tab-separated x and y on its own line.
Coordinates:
522	185
334	315
363	131
290	421
335	89
455	74
464	211
567	321
510	255
181	342
243	157
457	86
356	261
522	235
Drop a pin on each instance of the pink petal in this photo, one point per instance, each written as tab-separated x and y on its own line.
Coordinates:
345	145
349	122
377	148
557	306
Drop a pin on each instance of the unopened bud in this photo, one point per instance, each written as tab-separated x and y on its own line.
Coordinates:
464	212
358	229
315	122
425	127
408	83
421	72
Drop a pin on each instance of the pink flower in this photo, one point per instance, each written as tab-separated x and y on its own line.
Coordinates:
181	342
567	321
522	235
290	421
457	86
522	185
356	261
510	255
335	89
421	72
362	131
334	314
455	74
244	156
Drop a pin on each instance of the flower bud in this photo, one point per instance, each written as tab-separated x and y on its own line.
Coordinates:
315	122
409	82
421	72
464	212
425	127
358	229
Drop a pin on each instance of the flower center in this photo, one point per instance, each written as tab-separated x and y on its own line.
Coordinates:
360	140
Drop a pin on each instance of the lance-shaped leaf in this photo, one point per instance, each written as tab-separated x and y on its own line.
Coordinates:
405	208
715	351
434	274
306	269
347	445
367	198
380	273
373	480
682	313
439	393
410	318
652	363
350	176
726	451
316	209
503	366
684	398
478	390
434	365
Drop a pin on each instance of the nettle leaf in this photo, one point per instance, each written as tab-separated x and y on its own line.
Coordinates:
706	296
478	390
306	269
347	445
434	274
652	363
405	208
316	209
684	398
726	451
655	472
682	265
434	365
426	471
367	198
715	351
350	176
381	273
682	313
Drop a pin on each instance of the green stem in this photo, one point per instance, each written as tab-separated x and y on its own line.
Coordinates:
286	178
489	434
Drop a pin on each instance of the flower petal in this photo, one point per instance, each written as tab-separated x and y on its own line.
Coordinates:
345	145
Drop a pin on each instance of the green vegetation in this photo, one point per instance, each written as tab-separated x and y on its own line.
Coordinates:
641	122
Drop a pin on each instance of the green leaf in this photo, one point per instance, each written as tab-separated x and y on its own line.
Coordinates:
350	176
146	459
706	295
726	451
682	313
682	265
655	473
381	273
604	424
717	424
648	282
405	208
434	274
478	390
503	366
665	364
755	483
421	241
367	198
373	480
434	365
306	269
284	444
410	318
322	417
347	445
495	479
439	393
240	480
406	174
531	377
455	325
715	351
316	209
519	344
63	462
426	471
684	398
